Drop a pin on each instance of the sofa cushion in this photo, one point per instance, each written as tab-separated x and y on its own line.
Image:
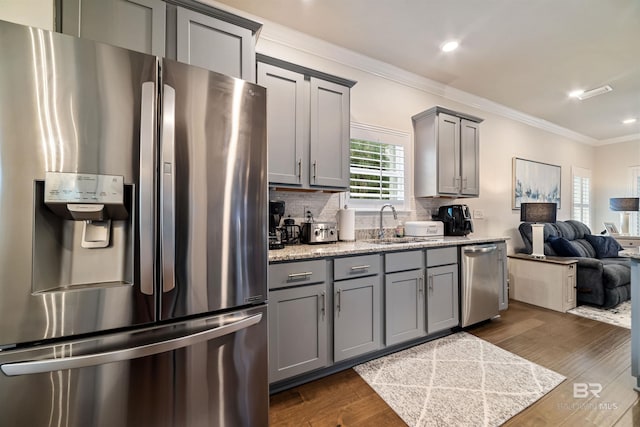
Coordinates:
566	247
605	246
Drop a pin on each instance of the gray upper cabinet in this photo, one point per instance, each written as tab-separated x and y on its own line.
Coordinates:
216	45
287	102
138	25
446	154
307	125
186	30
329	129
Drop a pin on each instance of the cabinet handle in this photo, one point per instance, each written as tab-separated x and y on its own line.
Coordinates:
420	284
324	304
456	181
359	267
299	169
315	168
339	299
431	283
297	275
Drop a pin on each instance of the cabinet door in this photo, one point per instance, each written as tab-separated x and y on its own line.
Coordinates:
469	158
357	317
287	118
442	298
404	306
297	331
448	154
216	45
138	25
329	137
502	276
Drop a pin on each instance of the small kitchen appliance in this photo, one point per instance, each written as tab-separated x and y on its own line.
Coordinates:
456	218
424	228
319	232
276	212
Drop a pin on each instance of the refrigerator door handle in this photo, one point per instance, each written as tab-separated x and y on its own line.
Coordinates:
167	221
72	362
146	190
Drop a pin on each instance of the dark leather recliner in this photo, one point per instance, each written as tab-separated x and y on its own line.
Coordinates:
604	282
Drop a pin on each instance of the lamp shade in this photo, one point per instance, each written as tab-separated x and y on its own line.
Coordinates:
538	212
624	204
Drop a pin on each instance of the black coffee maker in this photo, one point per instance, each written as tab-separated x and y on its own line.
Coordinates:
456	218
276	212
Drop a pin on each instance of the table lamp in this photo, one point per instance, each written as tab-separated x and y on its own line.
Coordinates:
624	205
537	214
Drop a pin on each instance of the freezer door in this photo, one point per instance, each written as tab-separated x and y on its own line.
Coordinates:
205	372
213	191
84	113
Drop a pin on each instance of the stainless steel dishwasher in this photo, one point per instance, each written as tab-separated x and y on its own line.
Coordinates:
479	283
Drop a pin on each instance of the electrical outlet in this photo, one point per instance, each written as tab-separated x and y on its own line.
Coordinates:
478	214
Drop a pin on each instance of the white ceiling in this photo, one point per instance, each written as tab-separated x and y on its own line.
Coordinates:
524	54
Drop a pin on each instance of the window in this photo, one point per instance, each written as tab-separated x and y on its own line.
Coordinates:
581	195
634	220
378	159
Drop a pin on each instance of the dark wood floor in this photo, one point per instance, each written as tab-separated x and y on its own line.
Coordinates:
583	350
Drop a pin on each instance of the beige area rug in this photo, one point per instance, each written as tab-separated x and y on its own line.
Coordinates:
619	315
459	380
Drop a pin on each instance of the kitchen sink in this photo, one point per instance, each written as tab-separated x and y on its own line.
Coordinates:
406	239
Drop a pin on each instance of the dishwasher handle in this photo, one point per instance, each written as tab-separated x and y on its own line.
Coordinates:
479	249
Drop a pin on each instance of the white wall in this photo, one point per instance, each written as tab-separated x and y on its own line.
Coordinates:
36	13
611	178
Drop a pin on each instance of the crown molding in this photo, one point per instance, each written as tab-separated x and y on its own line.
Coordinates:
626	138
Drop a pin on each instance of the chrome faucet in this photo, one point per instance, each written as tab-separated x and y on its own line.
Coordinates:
395	216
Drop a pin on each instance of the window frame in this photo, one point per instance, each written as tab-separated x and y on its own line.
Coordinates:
385	135
634	191
582	174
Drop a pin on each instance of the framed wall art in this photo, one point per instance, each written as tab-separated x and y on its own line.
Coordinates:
535	182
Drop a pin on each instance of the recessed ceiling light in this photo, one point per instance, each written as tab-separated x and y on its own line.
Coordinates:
585	94
449	46
629	121
576	93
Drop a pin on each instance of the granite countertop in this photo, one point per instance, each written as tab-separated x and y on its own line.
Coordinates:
300	252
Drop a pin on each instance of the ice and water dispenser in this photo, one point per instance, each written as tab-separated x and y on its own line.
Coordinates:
83	232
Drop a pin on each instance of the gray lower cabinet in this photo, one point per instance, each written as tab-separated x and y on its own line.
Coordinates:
442	298
308	129
297	331
357	317
503	276
404	305
198	34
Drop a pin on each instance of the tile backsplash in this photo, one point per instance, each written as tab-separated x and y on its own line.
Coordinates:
324	207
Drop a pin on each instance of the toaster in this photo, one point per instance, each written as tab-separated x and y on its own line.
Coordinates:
319	232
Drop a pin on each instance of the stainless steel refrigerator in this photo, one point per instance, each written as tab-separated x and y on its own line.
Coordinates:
133	239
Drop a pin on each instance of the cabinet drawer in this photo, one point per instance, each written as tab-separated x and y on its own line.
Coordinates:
357	266
402	261
442	256
628	243
297	273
